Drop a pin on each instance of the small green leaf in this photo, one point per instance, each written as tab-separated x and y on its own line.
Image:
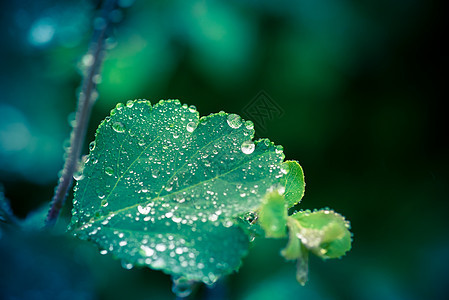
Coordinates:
325	232
293	182
163	188
293	249
273	215
296	250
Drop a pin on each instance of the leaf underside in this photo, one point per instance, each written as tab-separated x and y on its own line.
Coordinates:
163	188
273	215
324	232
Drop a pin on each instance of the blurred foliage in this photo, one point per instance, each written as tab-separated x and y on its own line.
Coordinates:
360	84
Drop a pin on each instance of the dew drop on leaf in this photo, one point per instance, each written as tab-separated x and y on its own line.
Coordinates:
143	210
127	265
109	171
78	176
191	126
192	108
147	251
161	247
285	169
213	217
248	147
118	127
92	146
249	125
234	121
130	103
182	287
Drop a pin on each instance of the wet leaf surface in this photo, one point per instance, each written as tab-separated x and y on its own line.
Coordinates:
163	188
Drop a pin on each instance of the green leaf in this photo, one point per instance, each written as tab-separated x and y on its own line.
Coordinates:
293	249
296	250
325	233
293	182
273	215
163	188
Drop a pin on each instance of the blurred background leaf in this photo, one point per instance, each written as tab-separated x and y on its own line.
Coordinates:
360	85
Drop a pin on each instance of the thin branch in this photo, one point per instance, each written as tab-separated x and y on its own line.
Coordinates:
93	61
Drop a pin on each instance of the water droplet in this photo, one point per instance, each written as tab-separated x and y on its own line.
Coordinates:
147	251
234	121
143	210
285	169
130	103
118	127
88	60
192	108
248	147
249	125
176	219
126	265
213	217
123	243
161	247
109	171
182	287
281	190
279	149
191	126
78	175
92	146
103	252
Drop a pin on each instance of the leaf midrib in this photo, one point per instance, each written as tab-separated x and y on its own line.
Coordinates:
94	220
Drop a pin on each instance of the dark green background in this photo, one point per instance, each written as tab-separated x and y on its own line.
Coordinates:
360	84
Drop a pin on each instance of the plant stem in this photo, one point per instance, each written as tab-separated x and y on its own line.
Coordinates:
93	61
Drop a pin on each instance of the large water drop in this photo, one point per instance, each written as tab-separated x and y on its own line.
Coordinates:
234	121
191	126
143	210
248	147
118	127
92	146
182	287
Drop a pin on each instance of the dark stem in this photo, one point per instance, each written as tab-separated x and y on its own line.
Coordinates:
93	61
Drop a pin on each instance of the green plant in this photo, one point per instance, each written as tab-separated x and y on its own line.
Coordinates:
164	188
